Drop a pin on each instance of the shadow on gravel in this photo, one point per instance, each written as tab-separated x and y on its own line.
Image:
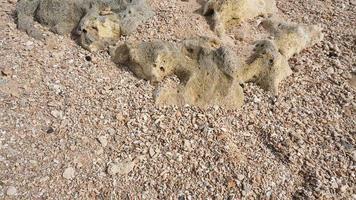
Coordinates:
309	184
273	146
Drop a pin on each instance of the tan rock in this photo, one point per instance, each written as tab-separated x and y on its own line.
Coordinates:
11	191
69	173
121	168
203	67
210	73
228	12
291	38
96	22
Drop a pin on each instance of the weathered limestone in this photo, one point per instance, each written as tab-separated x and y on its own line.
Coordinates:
97	22
200	64
268	65
292	38
211	73
226	12
97	30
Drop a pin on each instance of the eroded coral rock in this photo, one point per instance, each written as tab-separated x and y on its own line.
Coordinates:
98	31
209	72
292	38
97	22
201	65
226	12
268	65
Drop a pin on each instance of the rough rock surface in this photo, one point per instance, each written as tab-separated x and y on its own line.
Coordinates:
97	22
227	12
200	65
291	38
268	65
210	73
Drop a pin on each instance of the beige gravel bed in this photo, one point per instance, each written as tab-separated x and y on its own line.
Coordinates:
75	126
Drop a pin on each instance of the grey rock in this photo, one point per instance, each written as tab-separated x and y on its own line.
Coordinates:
74	16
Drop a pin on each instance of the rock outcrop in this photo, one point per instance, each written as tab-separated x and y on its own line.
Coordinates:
210	73
292	38
268	65
202	66
228	12
96	22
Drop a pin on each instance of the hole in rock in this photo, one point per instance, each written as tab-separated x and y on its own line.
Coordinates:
88	58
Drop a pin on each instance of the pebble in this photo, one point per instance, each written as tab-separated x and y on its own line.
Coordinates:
330	70
352	81
29	43
343	188
121	168
151	152
240	177
6	71
50	130
111	131
103	140
69	173
256	100
44	179
57	114
11	191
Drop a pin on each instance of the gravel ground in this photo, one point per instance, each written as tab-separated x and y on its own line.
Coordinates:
75	126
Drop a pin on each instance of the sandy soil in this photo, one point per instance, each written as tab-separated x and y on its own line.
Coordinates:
75	126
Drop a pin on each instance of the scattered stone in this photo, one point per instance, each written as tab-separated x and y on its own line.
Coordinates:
330	70
6	71
57	114
240	177
121	168
99	151
151	152
103	140
44	179
11	191
352	80
50	130
343	188
12	1
257	141
69	173
111	131
29	43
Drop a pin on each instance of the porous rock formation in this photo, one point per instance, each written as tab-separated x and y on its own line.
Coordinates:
228	12
202	66
98	23
211	73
